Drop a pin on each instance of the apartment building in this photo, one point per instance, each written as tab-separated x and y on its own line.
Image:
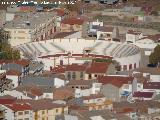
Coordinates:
75	72
45	109
28	27
17	111
25	109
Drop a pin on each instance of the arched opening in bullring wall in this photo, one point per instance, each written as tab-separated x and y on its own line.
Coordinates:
130	66
124	67
134	65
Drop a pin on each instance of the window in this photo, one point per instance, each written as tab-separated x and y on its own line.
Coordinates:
90	76
125	67
134	65
56	110
26	112
139	86
81	75
73	75
43	112
130	66
69	76
20	113
95	75
108	35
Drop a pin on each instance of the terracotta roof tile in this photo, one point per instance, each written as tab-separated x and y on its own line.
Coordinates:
93	96
143	94
73	21
134	32
80	82
42	104
113	79
151	85
63	93
31	89
60	12
22	62
76	67
19	107
98	67
116	83
106	29
6	101
127	110
13	72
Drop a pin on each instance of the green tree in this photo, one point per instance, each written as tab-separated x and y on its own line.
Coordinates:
154	58
102	60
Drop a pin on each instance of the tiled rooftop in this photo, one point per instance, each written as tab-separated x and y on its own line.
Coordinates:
13	72
19	107
143	94
115	80
73	21
98	67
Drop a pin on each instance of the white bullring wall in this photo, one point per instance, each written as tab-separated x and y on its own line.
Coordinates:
130	60
76	46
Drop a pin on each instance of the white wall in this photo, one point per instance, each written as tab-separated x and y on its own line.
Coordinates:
14	80
80	93
129	60
10	16
97	23
15	39
59	82
17	94
48	95
100	32
9	114
146	45
155	78
131	38
96	87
